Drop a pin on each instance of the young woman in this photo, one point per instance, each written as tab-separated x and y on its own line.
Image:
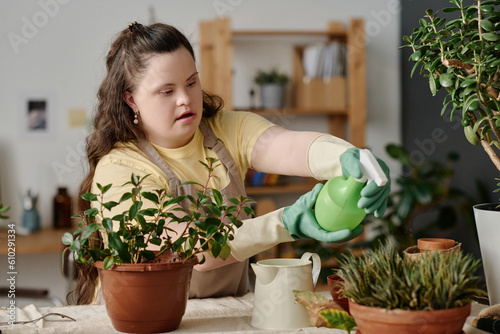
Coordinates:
154	118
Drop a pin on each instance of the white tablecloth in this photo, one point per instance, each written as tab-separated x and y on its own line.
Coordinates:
212	315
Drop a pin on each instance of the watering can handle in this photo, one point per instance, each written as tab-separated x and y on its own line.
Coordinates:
316	265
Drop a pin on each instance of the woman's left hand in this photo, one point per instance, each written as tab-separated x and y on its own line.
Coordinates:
373	197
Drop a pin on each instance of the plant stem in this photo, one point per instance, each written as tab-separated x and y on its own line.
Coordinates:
491	153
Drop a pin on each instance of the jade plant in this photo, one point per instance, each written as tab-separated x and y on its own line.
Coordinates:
462	57
150	220
384	278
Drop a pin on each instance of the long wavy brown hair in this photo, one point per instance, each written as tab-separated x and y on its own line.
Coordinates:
125	62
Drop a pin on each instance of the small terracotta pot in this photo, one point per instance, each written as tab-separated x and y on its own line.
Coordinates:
414	253
333	283
146	297
432	244
376	320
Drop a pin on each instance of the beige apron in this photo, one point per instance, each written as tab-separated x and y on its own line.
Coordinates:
231	279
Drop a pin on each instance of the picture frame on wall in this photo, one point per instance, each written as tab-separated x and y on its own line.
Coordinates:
36	115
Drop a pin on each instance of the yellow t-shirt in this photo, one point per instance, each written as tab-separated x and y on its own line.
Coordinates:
238	130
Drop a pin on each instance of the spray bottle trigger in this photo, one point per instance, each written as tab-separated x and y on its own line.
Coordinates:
371	168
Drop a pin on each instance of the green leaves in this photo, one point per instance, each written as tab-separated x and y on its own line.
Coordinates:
446	80
337	319
323	312
67	238
487	25
3	210
89	230
115	243
89	197
462	56
471	135
156	218
416	56
491	36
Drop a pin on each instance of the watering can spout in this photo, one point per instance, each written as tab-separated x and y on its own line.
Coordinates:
264	275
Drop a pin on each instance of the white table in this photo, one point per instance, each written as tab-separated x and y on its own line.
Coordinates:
211	315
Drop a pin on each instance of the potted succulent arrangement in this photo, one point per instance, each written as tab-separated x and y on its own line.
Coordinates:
389	293
462	56
271	85
146	291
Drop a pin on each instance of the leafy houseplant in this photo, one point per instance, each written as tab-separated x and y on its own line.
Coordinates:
425	190
206	227
382	284
463	57
3	211
271	77
271	84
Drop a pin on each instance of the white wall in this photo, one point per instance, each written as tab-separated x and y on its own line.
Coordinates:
57	48
64	57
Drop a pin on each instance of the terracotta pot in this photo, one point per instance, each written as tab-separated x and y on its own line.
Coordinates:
432	244
333	283
413	253
146	297
376	320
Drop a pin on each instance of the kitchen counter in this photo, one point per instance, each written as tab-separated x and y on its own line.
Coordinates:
211	315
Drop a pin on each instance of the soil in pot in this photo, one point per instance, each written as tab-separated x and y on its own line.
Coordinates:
147	297
376	320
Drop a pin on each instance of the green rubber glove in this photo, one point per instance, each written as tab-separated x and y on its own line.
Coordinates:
373	198
300	221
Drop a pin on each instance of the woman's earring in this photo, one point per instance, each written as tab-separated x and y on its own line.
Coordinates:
136	119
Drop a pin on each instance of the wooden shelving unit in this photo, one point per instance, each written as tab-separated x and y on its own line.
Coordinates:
346	120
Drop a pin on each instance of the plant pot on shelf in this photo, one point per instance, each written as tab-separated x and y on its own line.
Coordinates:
155	299
432	245
376	320
272	96
488	230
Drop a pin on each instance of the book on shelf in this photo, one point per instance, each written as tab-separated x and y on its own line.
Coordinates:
324	60
259	179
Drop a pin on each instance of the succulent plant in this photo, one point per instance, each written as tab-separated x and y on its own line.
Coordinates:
384	278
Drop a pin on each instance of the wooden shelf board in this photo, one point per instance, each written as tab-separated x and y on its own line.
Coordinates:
336	34
43	241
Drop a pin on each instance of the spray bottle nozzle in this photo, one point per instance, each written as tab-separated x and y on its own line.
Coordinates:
371	168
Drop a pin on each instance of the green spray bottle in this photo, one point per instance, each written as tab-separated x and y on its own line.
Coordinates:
336	207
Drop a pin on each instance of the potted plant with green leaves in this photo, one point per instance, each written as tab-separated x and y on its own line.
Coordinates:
146	291
462	56
271	85
426	202
389	293
3	210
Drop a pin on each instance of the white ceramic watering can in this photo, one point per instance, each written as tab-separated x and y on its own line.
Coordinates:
274	306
